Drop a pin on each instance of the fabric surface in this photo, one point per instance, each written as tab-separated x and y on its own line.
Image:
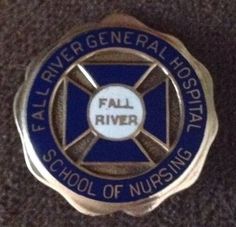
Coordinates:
208	29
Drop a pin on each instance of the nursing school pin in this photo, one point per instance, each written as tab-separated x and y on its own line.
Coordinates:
116	117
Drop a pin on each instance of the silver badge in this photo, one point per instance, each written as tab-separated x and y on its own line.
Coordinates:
116	117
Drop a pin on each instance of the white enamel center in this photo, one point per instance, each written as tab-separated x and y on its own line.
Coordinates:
116	112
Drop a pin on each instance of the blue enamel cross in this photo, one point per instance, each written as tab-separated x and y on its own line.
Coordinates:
97	75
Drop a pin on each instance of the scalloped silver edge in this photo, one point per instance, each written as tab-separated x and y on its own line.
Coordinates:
138	208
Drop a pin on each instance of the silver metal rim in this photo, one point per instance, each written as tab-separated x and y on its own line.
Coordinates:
140	207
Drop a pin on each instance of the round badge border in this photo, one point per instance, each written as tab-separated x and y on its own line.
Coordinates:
43	142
